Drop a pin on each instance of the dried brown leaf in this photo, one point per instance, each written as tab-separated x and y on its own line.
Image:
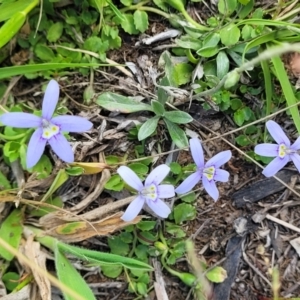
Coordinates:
80	231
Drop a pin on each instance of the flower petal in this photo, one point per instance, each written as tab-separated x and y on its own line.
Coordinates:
277	133
20	120
296	145
275	165
296	160
166	191
197	152
221	175
35	148
62	148
72	123
130	178
188	183
268	150
133	209
50	99
211	188
219	159
157	175
159	207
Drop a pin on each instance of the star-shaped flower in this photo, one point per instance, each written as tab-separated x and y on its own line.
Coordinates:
283	151
48	128
209	172
150	192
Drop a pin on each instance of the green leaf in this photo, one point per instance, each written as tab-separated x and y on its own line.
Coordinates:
95	44
43	210
140	20
117	103
239	117
184	212
11	232
43	52
141	251
217	274
139	168
182	73
117	246
178	117
287	89
7	72
128	24
55	32
112	271
11	150
222	64
69	276
146	225
247	7
60	178
236	104
4	183
187	42
141	288
189	198
227	7
114	183
148	128
209	47
158	108
230	35
243	140
175	168
177	134
11	280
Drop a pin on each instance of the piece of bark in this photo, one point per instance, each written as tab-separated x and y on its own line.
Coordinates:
261	189
231	264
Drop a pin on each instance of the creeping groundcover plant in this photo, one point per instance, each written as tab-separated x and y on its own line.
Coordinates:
48	128
283	151
209	172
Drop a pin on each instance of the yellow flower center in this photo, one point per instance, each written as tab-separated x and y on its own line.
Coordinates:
49	129
282	150
150	192
209	172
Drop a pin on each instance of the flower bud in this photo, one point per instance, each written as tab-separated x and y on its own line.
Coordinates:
160	246
232	78
187	278
177	4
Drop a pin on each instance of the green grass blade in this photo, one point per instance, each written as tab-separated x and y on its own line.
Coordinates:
287	90
69	276
101	258
268	88
8	72
7	10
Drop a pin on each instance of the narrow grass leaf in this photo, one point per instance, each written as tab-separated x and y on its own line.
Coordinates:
11	231
287	90
8	72
69	276
100	258
59	180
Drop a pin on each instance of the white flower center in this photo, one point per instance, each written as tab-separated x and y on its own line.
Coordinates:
49	129
209	172
149	192
282	150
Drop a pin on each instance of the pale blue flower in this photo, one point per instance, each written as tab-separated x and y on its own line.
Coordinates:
283	151
209	172
48	128
150	192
